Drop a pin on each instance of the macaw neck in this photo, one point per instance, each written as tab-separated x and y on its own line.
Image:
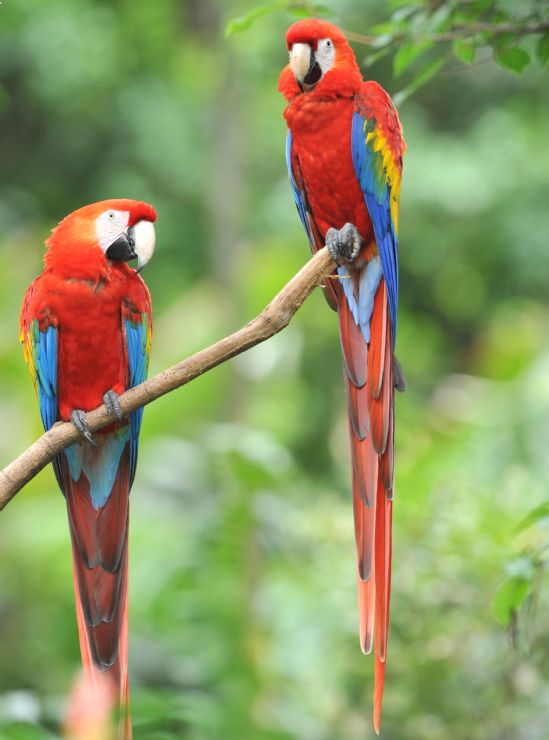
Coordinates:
343	81
87	264
307	113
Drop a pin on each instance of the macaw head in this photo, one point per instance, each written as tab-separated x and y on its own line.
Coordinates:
321	61
89	242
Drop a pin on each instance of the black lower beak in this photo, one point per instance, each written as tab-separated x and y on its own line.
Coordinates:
122	249
314	73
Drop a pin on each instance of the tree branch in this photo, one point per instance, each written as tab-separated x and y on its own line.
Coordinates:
275	317
462	31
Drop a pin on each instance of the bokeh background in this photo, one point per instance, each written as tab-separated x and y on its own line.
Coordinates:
243	616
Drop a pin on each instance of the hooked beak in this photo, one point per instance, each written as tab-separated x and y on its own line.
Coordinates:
122	249
144	242
304	65
138	242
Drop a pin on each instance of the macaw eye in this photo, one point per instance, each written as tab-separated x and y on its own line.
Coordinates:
111	215
328	42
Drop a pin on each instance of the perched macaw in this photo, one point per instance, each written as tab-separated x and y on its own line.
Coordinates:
344	154
86	334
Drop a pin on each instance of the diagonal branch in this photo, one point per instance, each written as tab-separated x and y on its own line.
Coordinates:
275	317
461	31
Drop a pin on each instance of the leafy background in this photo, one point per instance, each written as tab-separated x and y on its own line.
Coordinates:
243	608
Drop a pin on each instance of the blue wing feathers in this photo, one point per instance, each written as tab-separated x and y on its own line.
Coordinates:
99	465
44	348
377	195
138	360
297	193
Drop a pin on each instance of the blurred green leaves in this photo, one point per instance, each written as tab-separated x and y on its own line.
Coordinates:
514	58
543	48
423	37
509	598
464	51
295	8
243	619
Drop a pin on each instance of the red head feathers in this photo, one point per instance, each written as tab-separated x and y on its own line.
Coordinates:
89	242
322	63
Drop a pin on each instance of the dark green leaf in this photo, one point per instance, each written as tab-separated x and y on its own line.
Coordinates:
543	48
422	79
503	41
464	51
508	599
514	59
408	53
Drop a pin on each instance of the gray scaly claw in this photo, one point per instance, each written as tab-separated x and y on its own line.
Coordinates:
112	402
78	418
343	244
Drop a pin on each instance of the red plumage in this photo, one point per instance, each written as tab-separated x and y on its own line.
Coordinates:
87	298
320	118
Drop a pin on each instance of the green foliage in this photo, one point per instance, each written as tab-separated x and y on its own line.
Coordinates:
243	619
426	74
416	32
509	598
406	54
464	51
514	59
543	48
295	8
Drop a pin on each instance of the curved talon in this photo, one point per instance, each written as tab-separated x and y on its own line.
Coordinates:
78	418
112	402
343	244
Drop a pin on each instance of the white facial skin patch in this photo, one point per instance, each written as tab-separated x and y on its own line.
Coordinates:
110	225
325	55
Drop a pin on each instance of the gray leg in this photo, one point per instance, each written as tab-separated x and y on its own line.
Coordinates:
344	244
78	418
112	402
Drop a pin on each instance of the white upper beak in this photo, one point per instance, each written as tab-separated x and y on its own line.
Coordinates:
145	242
300	60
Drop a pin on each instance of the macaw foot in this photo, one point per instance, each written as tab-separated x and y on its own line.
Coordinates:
112	402
343	244
80	421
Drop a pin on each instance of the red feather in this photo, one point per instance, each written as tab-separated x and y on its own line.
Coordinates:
320	120
372	462
86	296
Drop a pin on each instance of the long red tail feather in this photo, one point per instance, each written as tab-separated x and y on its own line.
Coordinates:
368	370
100	568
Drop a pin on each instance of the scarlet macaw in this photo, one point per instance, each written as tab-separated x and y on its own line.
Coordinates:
344	155
86	333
